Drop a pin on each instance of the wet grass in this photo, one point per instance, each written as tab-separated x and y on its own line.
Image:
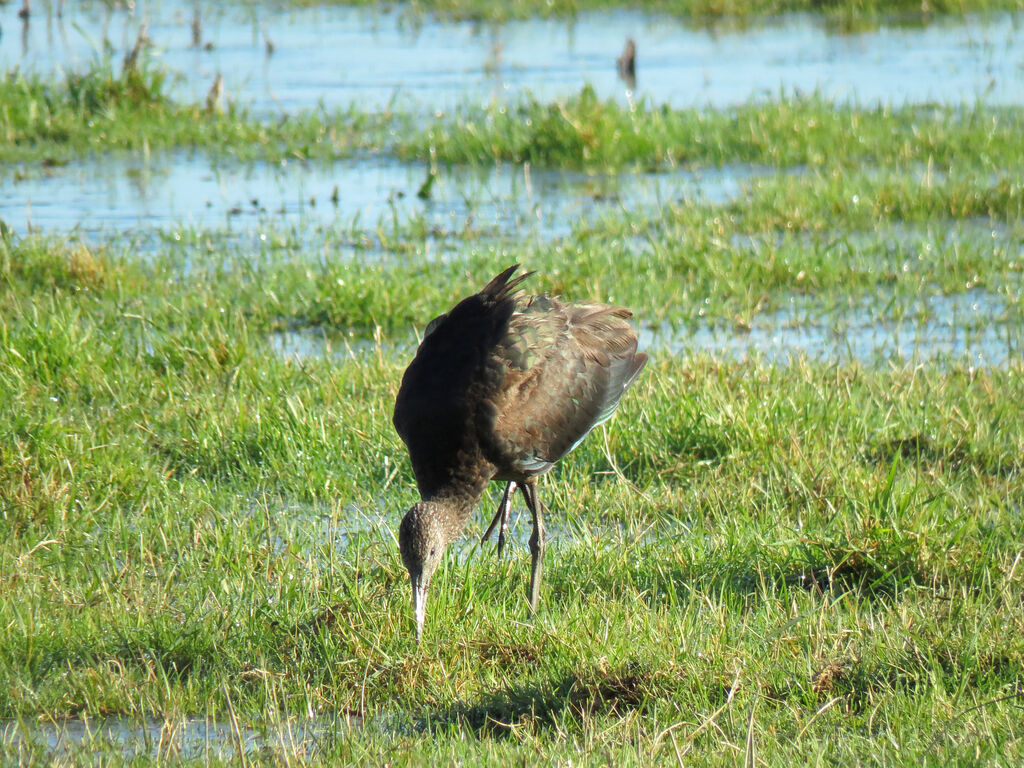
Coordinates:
845	202
681	272
104	109
786	562
588	132
101	111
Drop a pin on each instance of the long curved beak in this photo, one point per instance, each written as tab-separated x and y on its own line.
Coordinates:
419	604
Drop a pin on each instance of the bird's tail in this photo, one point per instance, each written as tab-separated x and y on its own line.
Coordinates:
501	287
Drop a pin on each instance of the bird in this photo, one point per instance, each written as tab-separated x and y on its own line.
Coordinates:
501	387
626	63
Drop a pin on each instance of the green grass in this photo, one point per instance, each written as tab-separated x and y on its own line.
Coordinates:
690	270
99	111
587	132
824	556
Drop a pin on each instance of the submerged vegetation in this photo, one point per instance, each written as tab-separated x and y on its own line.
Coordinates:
797	562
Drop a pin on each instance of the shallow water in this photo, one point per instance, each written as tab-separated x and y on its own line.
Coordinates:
184	738
118	193
339	56
975	327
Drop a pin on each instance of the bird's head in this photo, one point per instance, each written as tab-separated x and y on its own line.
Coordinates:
422	542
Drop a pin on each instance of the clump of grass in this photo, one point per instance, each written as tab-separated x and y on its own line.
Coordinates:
98	89
74	266
863	199
579	696
99	111
587	132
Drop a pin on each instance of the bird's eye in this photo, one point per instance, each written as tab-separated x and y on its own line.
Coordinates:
432	552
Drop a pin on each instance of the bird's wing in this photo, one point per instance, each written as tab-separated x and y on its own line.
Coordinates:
453	368
455	345
565	368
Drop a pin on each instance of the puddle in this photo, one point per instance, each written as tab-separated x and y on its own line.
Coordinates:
305	343
975	327
188	738
121	193
338	56
318	530
315	343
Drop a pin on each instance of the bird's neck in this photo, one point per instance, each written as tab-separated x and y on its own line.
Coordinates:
458	501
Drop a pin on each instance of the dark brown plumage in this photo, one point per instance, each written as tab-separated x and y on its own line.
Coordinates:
501	388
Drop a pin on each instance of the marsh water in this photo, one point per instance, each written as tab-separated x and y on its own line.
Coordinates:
976	327
101	196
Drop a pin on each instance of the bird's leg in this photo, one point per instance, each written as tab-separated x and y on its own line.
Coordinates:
504	509
536	541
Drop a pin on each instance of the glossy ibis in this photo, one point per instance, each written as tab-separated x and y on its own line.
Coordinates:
501	388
